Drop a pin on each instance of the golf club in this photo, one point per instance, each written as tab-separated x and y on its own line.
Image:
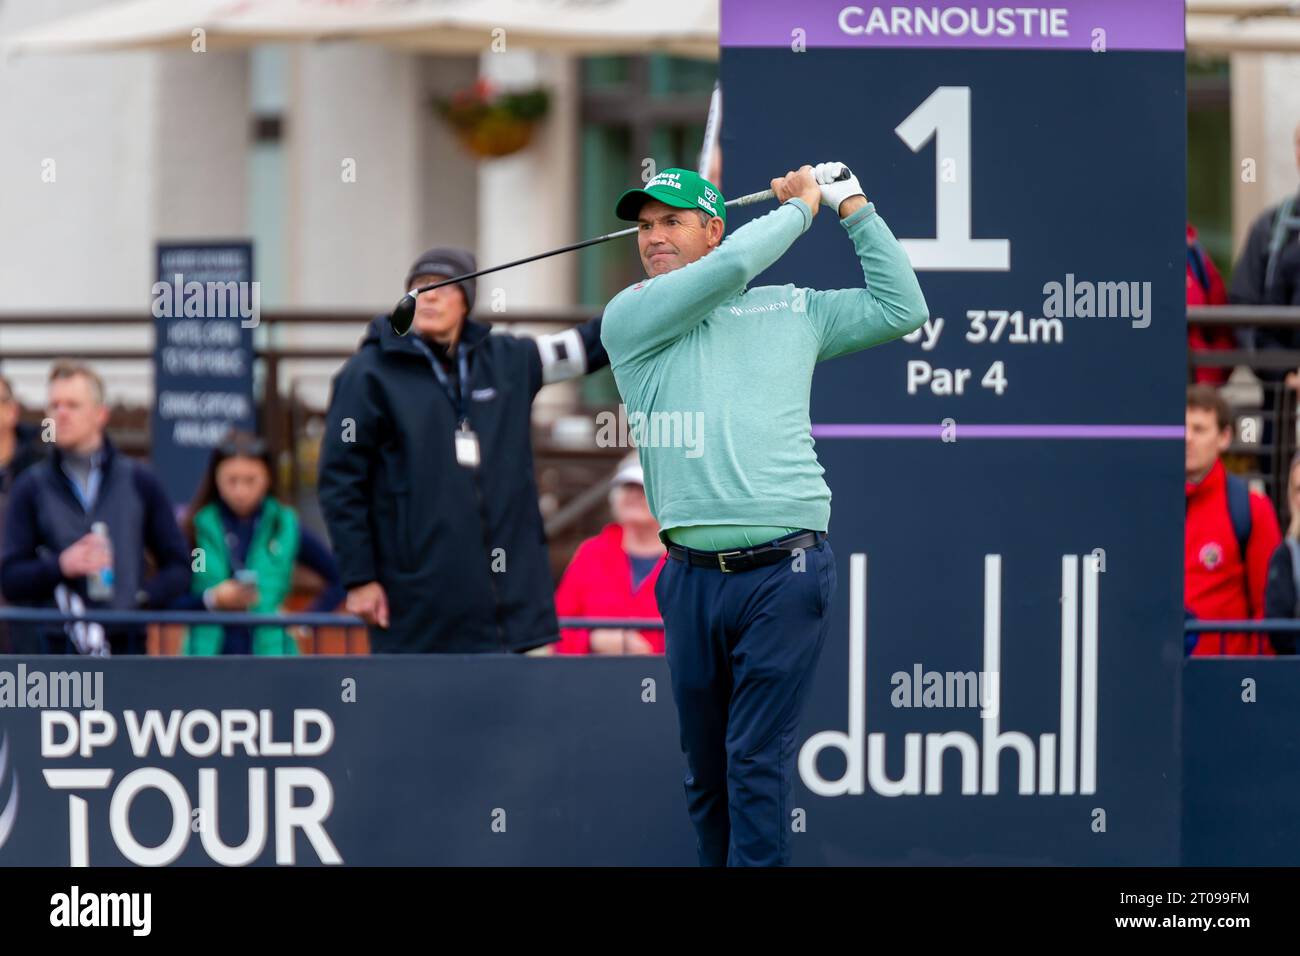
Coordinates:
403	313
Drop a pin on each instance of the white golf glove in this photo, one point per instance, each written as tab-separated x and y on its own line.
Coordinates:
833	192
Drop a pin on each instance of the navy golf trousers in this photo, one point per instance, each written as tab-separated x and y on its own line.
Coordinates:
742	648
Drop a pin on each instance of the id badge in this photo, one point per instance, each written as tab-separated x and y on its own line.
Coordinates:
466	447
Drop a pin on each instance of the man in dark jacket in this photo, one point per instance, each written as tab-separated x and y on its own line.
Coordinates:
426	474
20	448
1268	268
50	549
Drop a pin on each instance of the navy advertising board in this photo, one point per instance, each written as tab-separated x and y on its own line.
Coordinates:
485	760
1009	475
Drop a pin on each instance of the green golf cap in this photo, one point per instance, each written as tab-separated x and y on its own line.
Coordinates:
675	187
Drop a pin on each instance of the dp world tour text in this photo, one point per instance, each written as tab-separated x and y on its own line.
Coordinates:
199	734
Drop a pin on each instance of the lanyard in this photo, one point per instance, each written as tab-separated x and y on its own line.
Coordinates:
459	401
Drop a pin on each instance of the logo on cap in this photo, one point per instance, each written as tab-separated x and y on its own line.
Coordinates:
666	179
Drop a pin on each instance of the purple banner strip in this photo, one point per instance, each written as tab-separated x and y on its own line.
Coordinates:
1097	25
960	431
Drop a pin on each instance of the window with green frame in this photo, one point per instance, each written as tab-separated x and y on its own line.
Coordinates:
1210	169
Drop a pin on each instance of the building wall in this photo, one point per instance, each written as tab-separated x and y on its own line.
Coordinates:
81	241
529	202
353	173
1265	112
200	135
151	146
158	145
448	174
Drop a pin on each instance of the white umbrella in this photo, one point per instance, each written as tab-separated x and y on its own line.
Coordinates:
1226	34
684	27
1243	8
136	25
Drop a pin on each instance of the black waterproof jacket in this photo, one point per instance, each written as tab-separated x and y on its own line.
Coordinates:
460	552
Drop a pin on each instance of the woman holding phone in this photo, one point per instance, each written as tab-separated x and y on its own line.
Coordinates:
247	543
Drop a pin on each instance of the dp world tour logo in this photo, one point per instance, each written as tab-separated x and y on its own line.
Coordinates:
8	802
1040	771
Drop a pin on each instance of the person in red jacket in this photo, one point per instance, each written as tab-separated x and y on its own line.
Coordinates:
614	574
1219	581
1205	287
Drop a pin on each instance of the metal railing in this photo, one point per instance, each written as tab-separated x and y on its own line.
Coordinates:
267	351
98	615
1277	413
1246	317
42	615
314	620
1258	316
1271	625
1255	629
322	619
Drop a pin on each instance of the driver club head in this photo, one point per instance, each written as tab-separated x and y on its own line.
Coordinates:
403	314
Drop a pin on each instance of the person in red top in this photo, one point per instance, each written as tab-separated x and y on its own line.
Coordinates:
1205	287
614	574
1218	580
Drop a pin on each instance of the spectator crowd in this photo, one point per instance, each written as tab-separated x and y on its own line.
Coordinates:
426	487
428	493
1237	564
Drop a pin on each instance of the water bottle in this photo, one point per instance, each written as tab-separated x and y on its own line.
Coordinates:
99	587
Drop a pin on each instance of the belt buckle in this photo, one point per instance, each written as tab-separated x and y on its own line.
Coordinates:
722	560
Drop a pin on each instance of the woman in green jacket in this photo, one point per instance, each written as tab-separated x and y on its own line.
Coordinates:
246	543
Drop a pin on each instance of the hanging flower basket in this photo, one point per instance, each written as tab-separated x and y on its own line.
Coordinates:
491	123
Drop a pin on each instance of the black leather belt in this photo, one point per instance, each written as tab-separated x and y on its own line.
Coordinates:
746	559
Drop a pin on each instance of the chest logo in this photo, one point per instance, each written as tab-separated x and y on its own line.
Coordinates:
769	307
1211	556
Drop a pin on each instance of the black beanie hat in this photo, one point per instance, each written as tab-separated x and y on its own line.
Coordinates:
447	261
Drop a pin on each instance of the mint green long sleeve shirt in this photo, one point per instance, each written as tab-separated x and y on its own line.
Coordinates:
716	376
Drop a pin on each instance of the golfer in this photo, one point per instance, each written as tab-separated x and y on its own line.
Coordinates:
747	590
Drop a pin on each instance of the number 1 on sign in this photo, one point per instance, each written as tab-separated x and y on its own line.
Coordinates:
945	114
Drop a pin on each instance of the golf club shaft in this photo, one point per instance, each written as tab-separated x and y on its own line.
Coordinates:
746	200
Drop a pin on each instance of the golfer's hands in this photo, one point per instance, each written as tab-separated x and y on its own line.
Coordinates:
834	193
617	640
801	184
370	603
